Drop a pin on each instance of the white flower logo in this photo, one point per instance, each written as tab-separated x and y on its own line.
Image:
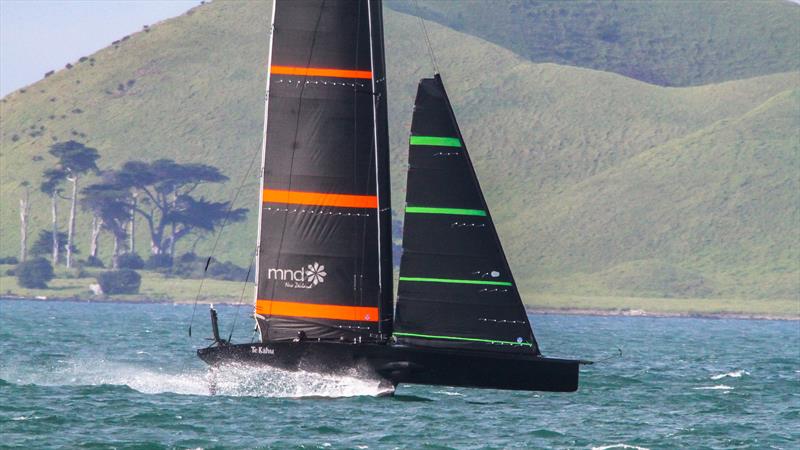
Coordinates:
316	273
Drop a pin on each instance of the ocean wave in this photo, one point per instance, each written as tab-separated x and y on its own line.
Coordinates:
228	380
733	374
18	418
718	387
606	447
451	393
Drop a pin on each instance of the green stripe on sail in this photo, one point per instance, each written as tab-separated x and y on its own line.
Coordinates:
455	338
435	141
450	280
454	211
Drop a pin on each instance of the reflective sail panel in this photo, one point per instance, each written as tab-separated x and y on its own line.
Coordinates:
324	233
456	289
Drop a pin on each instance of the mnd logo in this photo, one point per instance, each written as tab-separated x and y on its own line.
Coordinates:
303	278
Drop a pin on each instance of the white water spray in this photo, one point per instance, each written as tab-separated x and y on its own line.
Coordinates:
228	380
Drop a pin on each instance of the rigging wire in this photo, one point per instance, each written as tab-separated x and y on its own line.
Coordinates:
241	296
427	38
216	241
617	354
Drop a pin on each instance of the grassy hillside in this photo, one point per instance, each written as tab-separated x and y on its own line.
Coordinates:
661	42
601	184
670	215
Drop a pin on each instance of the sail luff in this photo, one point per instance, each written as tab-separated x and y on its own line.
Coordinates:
263	158
381	136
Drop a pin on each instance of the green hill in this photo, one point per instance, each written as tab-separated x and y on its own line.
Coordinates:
601	184
667	43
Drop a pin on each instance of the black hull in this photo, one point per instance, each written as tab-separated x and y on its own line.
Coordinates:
411	365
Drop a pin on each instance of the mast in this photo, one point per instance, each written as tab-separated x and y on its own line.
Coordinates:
456	288
381	134
263	158
325	234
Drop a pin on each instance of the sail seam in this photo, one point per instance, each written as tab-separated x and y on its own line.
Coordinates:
456	281
458	338
452	211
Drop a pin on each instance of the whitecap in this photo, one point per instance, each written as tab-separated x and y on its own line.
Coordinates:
734	374
606	447
25	418
718	387
455	394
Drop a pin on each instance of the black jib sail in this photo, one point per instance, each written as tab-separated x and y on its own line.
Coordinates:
324	264
456	289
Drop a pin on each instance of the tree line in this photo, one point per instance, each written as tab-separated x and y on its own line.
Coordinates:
161	194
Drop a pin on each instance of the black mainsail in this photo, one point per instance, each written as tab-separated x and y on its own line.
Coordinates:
456	289
324	251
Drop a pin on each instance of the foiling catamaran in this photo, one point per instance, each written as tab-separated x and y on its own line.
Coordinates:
324	300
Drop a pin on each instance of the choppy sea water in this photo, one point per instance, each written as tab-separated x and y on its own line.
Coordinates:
126	376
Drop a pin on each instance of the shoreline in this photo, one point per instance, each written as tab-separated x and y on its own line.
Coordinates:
657	314
529	310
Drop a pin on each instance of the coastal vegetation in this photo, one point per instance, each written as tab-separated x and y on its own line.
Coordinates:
675	183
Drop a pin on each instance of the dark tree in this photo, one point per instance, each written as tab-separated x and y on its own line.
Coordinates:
34	273
43	245
74	160
110	205
167	205
123	281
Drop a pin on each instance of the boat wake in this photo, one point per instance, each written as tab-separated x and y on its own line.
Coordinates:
242	380
228	380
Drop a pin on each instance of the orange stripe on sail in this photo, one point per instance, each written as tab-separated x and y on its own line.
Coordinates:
319	199
315	311
320	72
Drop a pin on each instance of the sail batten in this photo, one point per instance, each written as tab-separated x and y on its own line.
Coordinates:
451	211
450	280
319	199
435	141
317	310
322	256
455	287
464	339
